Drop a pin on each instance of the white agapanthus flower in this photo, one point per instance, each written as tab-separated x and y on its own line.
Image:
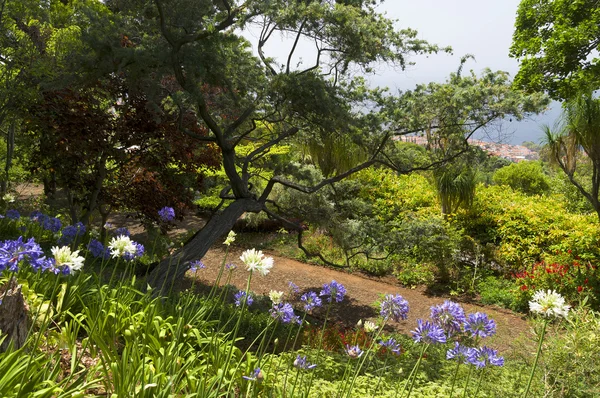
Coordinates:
9	198
275	296
230	238
121	245
255	260
548	303
63	257
370	326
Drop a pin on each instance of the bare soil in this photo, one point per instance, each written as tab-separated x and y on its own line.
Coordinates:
362	293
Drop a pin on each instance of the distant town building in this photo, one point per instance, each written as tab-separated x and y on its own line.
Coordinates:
514	153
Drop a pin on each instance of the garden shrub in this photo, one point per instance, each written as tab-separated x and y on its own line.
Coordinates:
524	231
571	366
527	177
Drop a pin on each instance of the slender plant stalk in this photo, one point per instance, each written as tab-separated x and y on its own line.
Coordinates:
365	355
479	382
467	382
537	357
454	378
235	330
416	370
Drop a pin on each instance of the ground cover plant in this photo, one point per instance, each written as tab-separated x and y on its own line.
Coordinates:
93	328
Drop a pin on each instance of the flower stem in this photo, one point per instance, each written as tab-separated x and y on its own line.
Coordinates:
467	382
413	374
479	382
537	357
454	378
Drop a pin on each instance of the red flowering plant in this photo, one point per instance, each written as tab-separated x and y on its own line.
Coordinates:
563	271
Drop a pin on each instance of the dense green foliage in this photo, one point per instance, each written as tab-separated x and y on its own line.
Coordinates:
553	41
527	177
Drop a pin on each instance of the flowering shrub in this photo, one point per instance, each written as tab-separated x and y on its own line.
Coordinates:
572	277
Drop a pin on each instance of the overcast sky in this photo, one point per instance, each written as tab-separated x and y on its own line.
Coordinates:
483	28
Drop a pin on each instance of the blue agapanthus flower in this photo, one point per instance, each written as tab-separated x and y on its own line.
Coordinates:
293	287
196	265
48	223
13	214
333	290
460	353
302	363
429	333
354	351
139	252
395	307
311	301
121	232
450	316
166	214
240	297
257	375
12	252
391	345
284	312
478	325
485	356
70	233
98	250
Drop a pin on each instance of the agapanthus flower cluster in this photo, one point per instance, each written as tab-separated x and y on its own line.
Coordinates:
13	214
121	231
230	266
450	316
333	291
166	214
230	238
257	375
48	223
462	354
354	351
196	265
98	250
302	363
255	260
395	307
485	356
139	252
370	327
12	252
391	345
428	332
123	246
65	260
276	296
70	233
311	301
284	312
479	325
293	287
240	297
549	303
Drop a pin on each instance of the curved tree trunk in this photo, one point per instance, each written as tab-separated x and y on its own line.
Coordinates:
173	268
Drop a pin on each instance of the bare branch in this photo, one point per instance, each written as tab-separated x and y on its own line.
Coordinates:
298	35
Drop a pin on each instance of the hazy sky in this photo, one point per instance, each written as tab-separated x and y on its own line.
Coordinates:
482	28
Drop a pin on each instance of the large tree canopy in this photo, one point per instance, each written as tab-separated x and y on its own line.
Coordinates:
557	43
258	75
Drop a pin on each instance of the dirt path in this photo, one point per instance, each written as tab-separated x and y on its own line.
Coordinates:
362	293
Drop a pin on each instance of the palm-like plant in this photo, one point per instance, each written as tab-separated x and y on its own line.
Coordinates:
579	134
